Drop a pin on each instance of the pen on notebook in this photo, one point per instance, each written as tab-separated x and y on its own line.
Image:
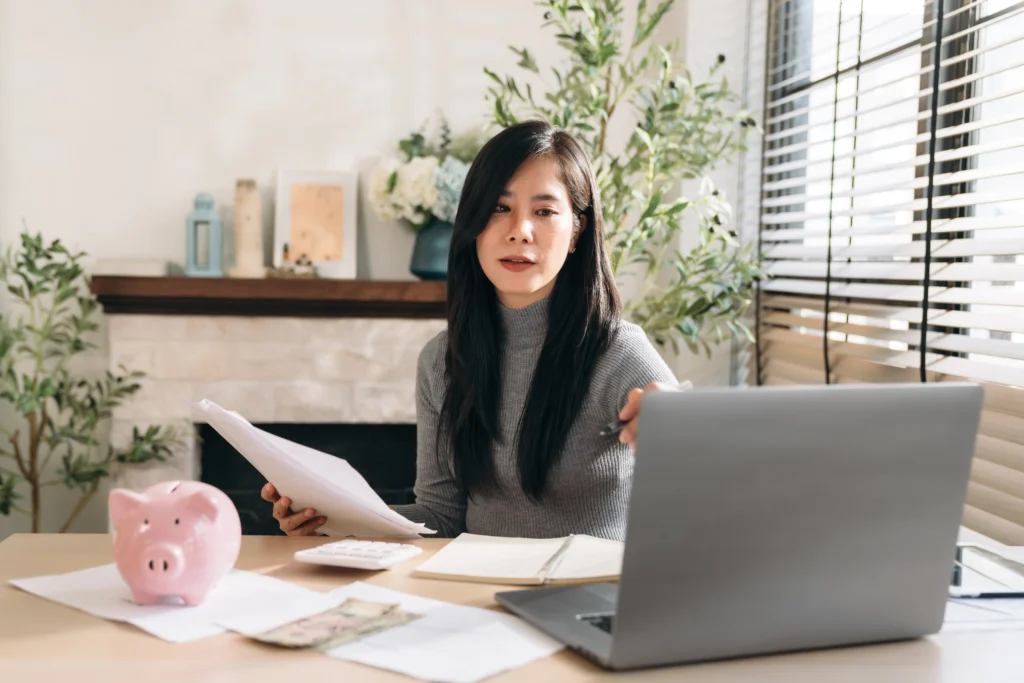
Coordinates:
619	424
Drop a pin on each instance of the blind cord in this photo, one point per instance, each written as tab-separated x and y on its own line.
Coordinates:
936	79
831	192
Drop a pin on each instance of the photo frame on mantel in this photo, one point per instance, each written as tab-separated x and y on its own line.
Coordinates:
315	221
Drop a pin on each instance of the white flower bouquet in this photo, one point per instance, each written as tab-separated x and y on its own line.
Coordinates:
427	184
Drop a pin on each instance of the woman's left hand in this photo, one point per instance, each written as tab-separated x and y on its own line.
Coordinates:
631	410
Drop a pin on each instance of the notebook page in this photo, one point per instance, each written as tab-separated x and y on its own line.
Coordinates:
589	557
492	557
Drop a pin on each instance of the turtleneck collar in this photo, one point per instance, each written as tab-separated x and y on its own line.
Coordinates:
529	322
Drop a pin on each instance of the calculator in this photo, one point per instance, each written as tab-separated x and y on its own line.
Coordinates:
359	554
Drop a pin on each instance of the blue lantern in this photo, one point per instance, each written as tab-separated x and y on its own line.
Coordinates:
203	239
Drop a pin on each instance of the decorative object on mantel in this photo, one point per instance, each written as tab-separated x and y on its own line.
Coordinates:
204	239
302	268
248	219
61	410
423	191
315	222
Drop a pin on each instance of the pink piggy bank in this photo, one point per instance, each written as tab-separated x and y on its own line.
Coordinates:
175	539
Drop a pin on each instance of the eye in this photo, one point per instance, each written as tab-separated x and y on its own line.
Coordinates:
500	208
545	212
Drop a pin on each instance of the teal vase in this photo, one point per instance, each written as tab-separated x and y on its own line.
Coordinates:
430	254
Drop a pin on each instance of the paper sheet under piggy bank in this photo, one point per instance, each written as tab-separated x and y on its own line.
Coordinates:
311	478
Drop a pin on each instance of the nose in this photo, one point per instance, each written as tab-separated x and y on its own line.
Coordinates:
521	231
162	560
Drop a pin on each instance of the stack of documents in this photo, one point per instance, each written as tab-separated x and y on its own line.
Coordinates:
312	479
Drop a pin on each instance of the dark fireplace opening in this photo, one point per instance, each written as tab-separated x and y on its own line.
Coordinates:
385	454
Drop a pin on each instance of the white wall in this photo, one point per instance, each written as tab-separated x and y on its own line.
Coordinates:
114	114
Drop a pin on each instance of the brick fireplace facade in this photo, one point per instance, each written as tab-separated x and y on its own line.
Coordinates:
269	369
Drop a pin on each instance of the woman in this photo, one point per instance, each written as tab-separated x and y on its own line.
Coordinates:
512	397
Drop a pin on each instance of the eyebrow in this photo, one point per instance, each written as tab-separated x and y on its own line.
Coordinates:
536	197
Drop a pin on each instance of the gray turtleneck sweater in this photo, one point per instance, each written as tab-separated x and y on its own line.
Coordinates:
588	489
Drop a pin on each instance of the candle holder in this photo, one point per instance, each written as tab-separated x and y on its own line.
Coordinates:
204	239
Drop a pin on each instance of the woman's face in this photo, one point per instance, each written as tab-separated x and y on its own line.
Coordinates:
529	235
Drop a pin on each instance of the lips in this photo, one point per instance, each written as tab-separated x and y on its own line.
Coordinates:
516	264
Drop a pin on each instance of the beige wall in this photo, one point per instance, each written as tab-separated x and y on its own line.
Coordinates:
114	114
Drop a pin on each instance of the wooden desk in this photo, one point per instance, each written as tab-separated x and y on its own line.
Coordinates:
43	641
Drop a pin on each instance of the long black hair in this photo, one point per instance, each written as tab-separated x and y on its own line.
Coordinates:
582	312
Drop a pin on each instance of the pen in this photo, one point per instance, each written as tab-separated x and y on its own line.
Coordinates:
618	425
614	427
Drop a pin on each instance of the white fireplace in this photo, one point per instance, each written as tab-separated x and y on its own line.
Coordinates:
267	368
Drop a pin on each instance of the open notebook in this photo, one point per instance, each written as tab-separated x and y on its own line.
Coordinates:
526	561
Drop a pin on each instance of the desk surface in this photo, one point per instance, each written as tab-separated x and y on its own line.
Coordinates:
41	640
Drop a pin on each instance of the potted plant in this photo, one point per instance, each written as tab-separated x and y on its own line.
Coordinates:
681	130
422	189
61	412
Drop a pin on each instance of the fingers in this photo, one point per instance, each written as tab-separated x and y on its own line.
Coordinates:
282	508
269	493
628	434
307	526
632	406
294	520
632	409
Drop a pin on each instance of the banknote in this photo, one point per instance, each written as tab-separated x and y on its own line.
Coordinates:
349	621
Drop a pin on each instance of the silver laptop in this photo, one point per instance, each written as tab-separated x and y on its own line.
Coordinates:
776	519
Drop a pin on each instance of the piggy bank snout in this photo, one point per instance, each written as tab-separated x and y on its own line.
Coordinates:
162	561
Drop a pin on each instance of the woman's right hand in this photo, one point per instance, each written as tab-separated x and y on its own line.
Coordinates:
302	523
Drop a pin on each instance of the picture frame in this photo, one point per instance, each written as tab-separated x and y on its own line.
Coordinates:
315	221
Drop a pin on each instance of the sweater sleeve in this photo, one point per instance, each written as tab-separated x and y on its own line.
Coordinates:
636	363
439	502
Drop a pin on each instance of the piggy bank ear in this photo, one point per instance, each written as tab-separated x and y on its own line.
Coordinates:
122	502
202	503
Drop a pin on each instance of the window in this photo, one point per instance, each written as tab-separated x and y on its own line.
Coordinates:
892	211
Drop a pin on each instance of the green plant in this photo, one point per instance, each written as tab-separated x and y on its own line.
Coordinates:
60	410
683	129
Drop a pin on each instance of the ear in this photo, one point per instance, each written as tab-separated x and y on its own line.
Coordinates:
202	503
122	502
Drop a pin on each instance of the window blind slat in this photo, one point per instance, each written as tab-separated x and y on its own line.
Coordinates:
897	270
941	248
998	477
939	227
936	340
996	503
993	526
990	296
936	317
1003	453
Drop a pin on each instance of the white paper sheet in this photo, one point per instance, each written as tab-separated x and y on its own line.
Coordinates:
240	595
996	614
449	644
312	479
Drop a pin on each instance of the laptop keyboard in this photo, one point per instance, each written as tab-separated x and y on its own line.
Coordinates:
605	622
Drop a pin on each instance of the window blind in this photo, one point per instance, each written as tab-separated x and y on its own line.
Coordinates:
892	211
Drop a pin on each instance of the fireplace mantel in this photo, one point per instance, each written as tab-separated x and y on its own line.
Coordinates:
274	297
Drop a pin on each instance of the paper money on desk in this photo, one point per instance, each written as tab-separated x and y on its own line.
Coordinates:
312	479
348	622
